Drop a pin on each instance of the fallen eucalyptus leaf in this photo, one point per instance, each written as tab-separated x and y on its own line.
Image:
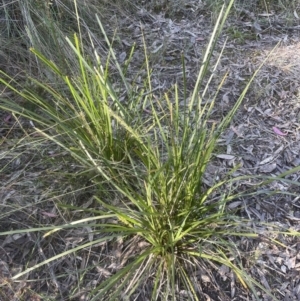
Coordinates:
278	131
225	156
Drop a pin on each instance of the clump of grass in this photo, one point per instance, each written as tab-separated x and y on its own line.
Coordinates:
155	161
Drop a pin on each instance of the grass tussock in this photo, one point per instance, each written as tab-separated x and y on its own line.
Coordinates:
147	156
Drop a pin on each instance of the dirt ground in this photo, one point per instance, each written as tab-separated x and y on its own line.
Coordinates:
264	139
